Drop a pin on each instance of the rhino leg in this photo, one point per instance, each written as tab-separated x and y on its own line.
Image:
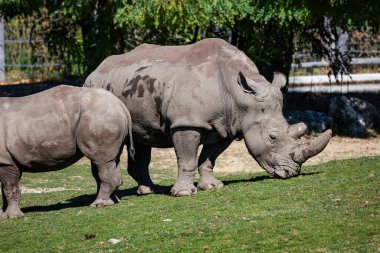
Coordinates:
95	174
10	178
108	178
186	143
138	169
206	165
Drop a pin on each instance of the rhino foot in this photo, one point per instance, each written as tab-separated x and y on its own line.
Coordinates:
102	202
209	183
144	190
12	213
183	189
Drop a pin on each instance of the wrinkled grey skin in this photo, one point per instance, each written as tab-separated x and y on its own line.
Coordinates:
55	128
206	93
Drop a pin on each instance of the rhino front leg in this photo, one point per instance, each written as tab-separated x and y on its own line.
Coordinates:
206	165
108	178
186	143
138	169
10	178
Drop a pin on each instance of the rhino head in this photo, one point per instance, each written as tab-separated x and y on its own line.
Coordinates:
272	142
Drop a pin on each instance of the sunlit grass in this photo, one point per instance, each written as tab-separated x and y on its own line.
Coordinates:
333	207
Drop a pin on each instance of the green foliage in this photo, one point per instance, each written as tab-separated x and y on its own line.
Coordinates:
176	21
176	14
331	207
27	55
11	8
85	29
265	30
268	31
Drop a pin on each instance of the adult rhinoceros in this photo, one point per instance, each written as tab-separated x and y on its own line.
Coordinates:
206	93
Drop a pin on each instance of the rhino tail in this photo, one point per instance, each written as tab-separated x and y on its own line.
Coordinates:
131	148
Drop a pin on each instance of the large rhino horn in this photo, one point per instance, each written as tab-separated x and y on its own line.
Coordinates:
312	148
297	130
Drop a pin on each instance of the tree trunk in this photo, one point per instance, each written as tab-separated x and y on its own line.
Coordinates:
234	37
195	36
2	50
100	37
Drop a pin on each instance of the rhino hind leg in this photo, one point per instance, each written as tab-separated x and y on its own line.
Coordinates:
206	164
10	178
95	174
138	169
108	179
186	143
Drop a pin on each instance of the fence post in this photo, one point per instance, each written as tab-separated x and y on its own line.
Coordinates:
2	50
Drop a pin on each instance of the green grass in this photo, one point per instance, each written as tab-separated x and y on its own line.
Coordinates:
333	207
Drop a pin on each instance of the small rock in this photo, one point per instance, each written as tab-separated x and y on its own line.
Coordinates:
352	116
114	240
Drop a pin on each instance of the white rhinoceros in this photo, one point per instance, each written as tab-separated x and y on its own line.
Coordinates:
55	128
207	93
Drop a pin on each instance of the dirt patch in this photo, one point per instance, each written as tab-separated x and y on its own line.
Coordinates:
43	190
237	159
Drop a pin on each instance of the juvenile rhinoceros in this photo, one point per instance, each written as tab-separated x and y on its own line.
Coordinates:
55	128
206	93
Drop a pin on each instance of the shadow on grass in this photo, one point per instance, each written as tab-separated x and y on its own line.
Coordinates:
311	173
83	200
87	199
254	179
265	177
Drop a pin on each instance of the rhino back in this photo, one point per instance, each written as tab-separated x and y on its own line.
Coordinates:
162	96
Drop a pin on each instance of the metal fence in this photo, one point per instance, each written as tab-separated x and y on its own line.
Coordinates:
26	53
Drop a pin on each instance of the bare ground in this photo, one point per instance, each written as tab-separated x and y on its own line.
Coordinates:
237	159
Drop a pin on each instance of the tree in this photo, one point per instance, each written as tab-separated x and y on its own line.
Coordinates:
76	30
2	52
86	27
268	31
174	21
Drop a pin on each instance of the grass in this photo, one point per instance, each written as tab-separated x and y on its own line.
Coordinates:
333	207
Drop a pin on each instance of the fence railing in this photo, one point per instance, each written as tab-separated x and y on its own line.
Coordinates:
323	63
26	53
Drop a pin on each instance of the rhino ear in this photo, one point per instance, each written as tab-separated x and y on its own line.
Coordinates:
248	88
279	80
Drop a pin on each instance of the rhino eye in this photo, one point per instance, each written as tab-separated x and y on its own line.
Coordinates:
272	137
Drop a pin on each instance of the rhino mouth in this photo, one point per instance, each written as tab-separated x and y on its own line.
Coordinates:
286	171
283	170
